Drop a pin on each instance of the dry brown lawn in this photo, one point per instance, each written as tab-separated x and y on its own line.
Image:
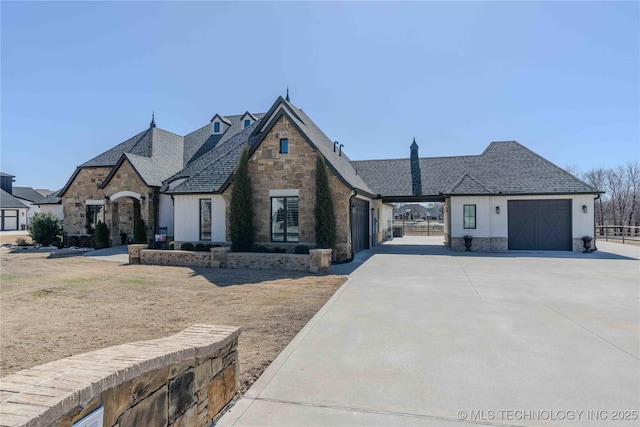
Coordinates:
56	307
11	238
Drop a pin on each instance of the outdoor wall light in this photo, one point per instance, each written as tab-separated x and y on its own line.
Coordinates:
584	208
498	210
142	198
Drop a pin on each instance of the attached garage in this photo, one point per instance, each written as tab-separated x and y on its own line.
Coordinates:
539	225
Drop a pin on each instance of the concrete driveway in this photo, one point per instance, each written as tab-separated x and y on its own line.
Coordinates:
423	336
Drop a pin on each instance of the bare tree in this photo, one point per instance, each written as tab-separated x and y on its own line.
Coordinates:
597	177
633	183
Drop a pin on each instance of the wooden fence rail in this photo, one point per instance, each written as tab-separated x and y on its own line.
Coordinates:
618	233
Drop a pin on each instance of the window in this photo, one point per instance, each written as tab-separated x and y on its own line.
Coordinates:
95	213
284	146
284	219
469	216
216	127
247	123
205	219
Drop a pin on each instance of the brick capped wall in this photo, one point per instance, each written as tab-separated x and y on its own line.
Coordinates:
268	261
175	258
182	380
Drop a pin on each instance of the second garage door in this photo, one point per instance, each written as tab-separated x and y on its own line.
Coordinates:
540	225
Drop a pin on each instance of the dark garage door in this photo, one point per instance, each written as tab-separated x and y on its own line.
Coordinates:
540	225
360	224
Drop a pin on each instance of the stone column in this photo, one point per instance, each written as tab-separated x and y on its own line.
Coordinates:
219	257
134	253
320	260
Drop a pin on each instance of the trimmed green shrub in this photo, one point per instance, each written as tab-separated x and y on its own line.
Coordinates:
102	235
85	241
278	250
186	246
200	247
139	232
241	226
171	245
45	227
259	249
208	247
301	250
325	218
216	245
74	241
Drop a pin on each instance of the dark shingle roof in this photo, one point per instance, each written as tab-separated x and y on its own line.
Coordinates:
7	174
139	145
7	201
504	167
51	199
27	193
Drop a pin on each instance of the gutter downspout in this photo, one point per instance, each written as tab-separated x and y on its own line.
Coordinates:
595	248
354	193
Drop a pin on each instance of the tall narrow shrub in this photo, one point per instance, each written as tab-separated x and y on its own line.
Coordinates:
102	235
241	226
139	232
325	218
45	228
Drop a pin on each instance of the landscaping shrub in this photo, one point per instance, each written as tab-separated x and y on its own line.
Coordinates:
85	242
171	245
208	247
139	232
21	241
44	228
200	247
259	249
187	246
241	226
74	241
102	235
301	249
215	245
279	250
324	215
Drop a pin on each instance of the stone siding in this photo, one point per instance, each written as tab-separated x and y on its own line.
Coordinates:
481	244
270	170
84	187
120	213
183	380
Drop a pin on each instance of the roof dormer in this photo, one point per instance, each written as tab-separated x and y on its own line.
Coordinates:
247	120
219	125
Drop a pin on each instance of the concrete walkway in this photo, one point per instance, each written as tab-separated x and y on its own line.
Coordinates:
423	336
113	254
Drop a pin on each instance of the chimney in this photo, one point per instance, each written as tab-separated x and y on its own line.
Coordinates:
416	179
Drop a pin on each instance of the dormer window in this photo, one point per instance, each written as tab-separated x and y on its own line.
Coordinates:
247	123
216	127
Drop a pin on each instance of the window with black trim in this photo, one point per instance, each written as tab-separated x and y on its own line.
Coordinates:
205	219
469	216
247	123
95	213
216	127
284	146
284	219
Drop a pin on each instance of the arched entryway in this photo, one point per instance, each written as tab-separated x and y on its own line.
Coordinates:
123	209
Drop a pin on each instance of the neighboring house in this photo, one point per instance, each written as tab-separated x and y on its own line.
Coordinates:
30	198
52	203
414	211
506	198
13	211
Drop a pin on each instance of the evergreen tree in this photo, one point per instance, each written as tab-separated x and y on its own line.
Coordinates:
325	218
139	232
241	226
102	235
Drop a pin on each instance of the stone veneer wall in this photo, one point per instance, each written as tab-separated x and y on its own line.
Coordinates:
498	244
84	187
481	244
184	380
127	179
318	260
270	170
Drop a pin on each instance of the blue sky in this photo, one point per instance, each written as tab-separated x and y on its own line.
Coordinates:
562	78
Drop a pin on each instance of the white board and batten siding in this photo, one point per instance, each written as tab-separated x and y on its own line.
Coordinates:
165	213
187	213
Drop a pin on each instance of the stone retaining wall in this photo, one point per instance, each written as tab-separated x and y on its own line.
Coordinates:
182	380
318	260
